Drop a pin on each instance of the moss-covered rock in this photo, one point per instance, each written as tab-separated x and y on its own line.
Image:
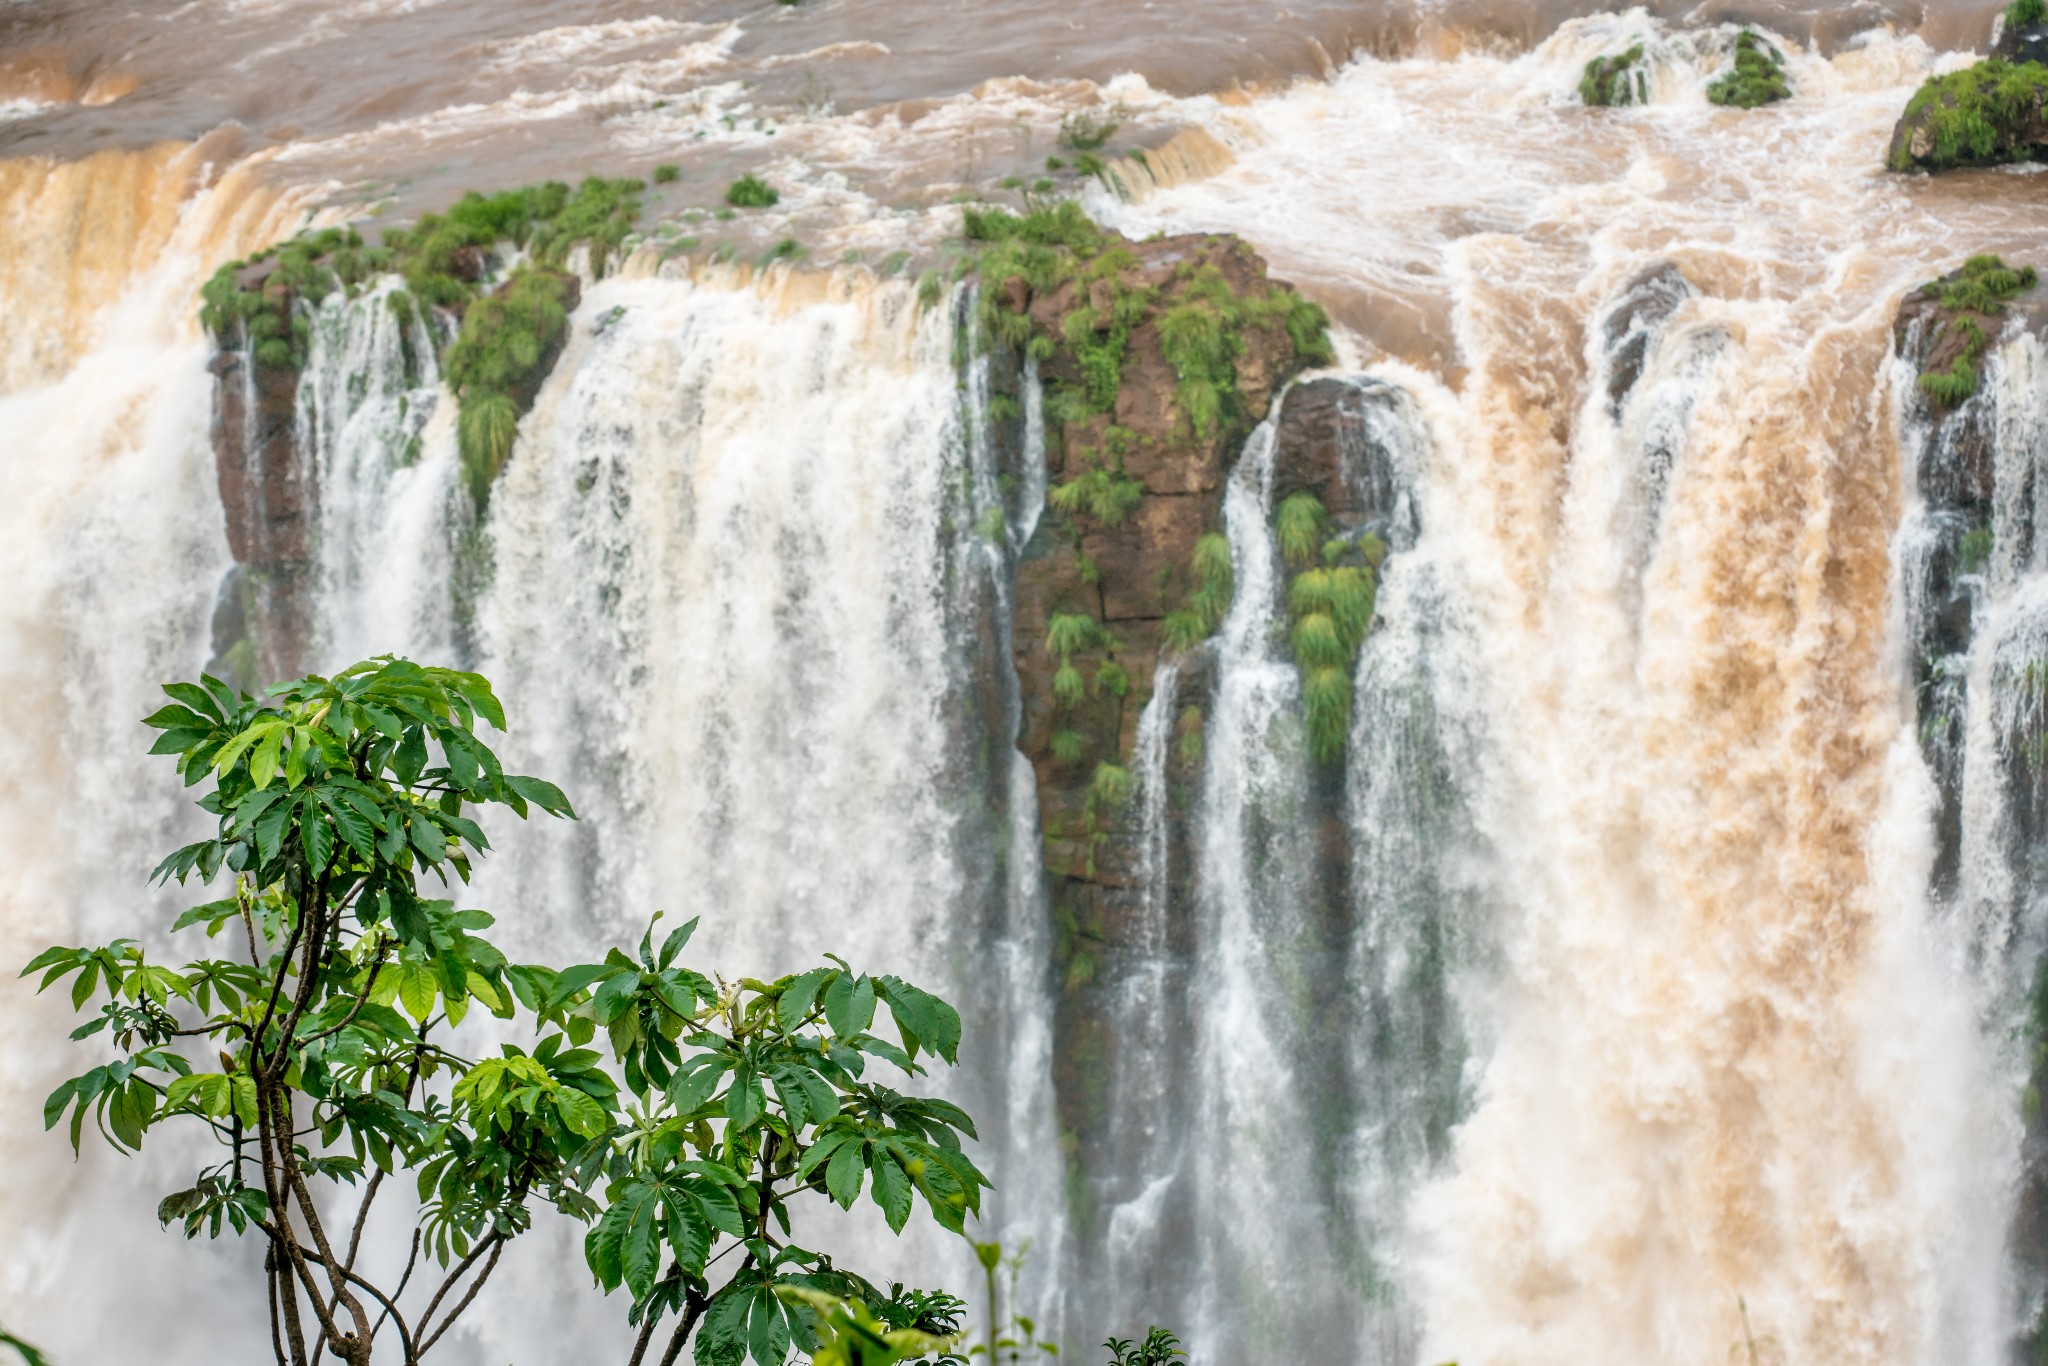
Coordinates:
1615	80
1956	318
2023	33
1757	77
1987	115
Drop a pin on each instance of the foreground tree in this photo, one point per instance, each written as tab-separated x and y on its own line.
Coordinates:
321	1052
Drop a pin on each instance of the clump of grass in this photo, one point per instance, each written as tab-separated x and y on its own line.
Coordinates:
1610	82
1106	496
752	192
1975	117
668	173
1086	131
1300	520
1110	790
788	249
1330	610
1069	746
1979	291
1757	78
2023	13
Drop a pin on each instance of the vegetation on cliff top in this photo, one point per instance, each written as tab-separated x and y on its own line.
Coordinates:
506	338
1972	301
1983	116
1757	78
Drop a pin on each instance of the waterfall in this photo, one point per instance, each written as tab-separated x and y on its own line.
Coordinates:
1656	971
383	453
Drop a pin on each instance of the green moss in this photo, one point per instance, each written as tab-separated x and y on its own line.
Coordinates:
1976	296
1975	549
752	192
1757	78
1609	82
1975	117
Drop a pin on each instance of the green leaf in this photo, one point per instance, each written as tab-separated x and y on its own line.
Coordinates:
264	761
53	1107
798	997
673	945
768	1330
313	829
213	1091
194	697
582	1116
843	1174
542	794
270	828
822	1149
418	986
849	1005
721	1337
891	1191
640	1243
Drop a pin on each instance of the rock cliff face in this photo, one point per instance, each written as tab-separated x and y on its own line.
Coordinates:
1962	569
268	494
1104	591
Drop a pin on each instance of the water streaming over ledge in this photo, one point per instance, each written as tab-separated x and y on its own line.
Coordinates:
1631	1008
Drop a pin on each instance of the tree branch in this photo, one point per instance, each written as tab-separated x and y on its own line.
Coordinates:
464	1302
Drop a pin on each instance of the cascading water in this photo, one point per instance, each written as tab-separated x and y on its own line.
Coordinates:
1591	1007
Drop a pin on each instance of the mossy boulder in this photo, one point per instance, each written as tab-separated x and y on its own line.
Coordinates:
1756	79
2023	33
1619	79
1988	115
1947	326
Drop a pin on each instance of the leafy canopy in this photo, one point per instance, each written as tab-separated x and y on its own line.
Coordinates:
318	1045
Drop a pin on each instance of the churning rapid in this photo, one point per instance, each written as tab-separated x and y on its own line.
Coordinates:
1649	978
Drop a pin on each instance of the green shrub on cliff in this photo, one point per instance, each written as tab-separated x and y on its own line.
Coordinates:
1330	610
1757	79
1981	116
2021	13
1609	82
508	339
